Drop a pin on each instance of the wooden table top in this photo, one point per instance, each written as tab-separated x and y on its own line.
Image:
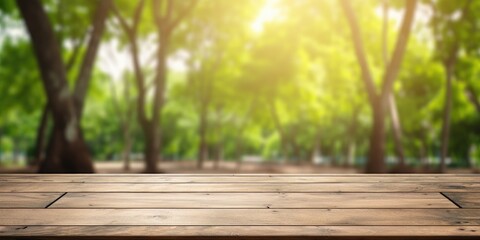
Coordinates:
243	206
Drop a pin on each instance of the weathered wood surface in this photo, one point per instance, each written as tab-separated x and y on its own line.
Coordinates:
253	200
27	200
257	187
249	232
253	206
247	178
242	217
465	199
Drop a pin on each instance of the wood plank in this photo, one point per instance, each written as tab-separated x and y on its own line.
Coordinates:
253	206
240	217
233	179
465	200
433	232
27	200
239	174
239	187
253	200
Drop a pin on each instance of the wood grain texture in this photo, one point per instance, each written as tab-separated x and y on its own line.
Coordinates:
232	231
233	206
253	200
27	200
465	200
239	217
169	178
239	187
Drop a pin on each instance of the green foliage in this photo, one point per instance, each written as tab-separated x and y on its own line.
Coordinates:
276	79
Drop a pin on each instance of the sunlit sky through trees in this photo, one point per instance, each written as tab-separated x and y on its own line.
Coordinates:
114	59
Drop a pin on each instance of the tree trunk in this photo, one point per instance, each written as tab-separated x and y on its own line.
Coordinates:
446	116
423	154
16	151
165	22
125	118
350	141
376	163
52	162
351	137
396	126
62	156
218	155
39	153
377	139
352	146
239	152
449	65
315	147
150	127
74	153
163	32
80	91
84	75
243	124
283	138
202	151
472	97
297	152
311	155
151	148
127	141
202	132
397	131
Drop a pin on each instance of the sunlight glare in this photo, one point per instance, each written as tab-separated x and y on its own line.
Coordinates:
268	13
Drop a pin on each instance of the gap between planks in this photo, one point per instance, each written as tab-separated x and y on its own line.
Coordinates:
50	204
465	200
451	200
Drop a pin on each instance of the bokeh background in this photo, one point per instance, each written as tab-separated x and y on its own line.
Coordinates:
285	86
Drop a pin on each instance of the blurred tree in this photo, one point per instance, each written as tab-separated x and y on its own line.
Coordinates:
378	101
68	152
449	36
214	40
392	105
252	80
167	15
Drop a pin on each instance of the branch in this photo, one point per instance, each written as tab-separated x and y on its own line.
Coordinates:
402	40
131	32
137	15
123	23
157	14
385	33
76	52
84	76
472	96
276	119
130	29
181	15
51	67
116	103
359	51
452	56
168	17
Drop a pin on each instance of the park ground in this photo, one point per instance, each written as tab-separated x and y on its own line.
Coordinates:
228	167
